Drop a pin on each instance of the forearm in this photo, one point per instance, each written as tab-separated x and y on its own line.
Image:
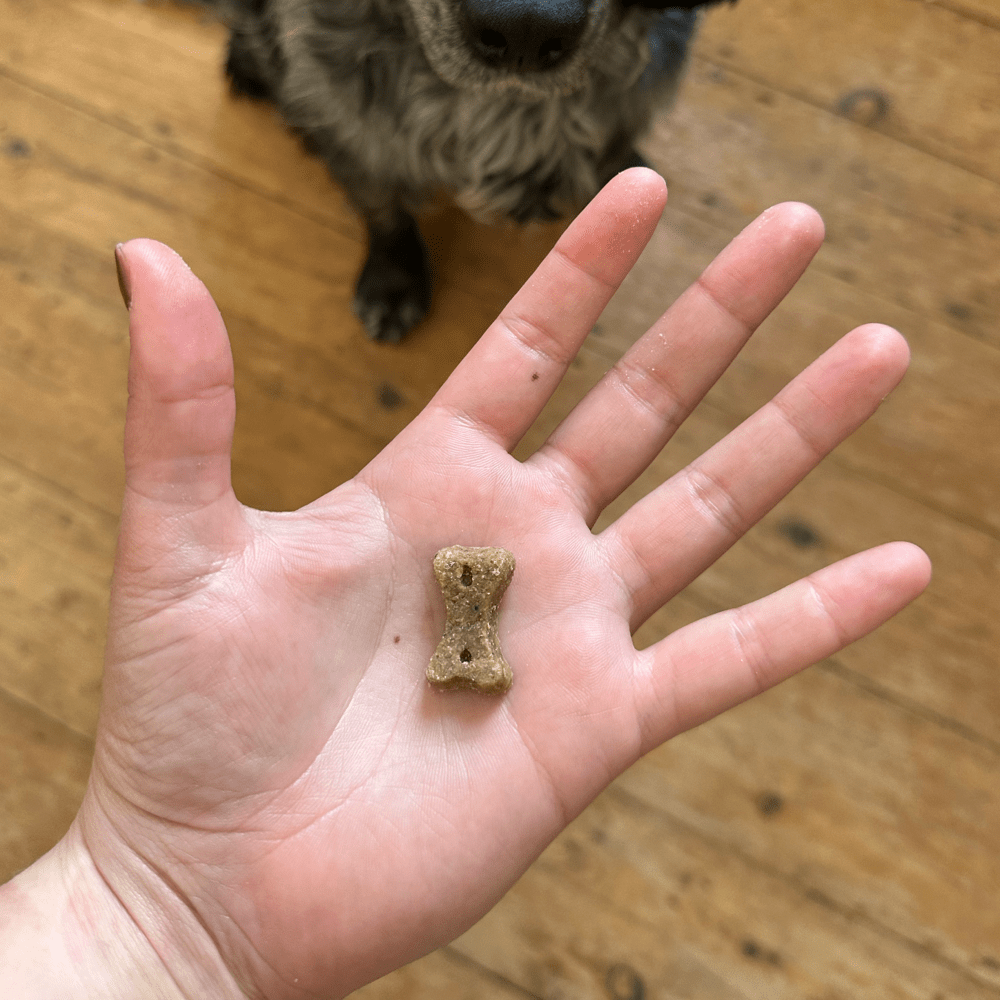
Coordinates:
64	933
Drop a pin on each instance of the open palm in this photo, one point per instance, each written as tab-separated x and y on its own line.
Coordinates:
272	770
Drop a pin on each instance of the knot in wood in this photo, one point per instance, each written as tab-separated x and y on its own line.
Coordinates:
473	581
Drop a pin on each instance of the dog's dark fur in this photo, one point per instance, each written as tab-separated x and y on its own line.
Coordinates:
518	108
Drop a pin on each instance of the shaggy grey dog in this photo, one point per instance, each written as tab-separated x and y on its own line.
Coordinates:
518	108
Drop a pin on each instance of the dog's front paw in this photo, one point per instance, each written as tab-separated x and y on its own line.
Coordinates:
394	290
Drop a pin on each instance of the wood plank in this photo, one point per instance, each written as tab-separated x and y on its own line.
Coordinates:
985	11
63	361
632	902
445	973
54	574
901	224
939	76
43	774
889	816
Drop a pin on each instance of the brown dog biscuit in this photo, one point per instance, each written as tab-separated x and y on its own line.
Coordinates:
473	581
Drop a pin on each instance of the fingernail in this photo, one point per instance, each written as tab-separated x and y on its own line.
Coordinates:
122	277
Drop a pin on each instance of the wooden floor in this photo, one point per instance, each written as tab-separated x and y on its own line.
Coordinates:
838	838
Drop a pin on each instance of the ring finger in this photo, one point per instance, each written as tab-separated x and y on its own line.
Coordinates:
667	539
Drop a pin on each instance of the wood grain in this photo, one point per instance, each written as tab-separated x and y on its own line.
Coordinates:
43	772
936	68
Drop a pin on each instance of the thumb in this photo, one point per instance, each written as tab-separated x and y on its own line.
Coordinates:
181	407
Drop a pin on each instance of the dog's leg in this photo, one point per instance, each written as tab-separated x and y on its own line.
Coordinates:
243	67
393	292
619	156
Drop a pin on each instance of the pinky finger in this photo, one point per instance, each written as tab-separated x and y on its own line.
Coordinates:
721	661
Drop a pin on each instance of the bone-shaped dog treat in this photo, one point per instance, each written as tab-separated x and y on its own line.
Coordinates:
473	581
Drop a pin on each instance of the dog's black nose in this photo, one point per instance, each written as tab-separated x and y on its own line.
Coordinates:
524	35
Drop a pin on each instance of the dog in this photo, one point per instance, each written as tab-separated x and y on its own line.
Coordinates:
519	109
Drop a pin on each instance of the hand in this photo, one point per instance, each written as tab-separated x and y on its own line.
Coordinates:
274	777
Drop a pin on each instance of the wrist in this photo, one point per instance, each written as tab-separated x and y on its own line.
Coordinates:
65	933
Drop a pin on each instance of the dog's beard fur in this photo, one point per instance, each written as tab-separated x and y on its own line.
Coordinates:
391	113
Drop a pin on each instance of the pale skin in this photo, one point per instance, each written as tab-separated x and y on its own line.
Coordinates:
280	806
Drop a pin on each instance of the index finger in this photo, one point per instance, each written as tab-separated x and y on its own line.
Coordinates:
504	381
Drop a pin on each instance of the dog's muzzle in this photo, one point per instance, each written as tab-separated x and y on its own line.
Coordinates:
523	36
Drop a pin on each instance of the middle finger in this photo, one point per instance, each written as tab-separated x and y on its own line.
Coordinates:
623	423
